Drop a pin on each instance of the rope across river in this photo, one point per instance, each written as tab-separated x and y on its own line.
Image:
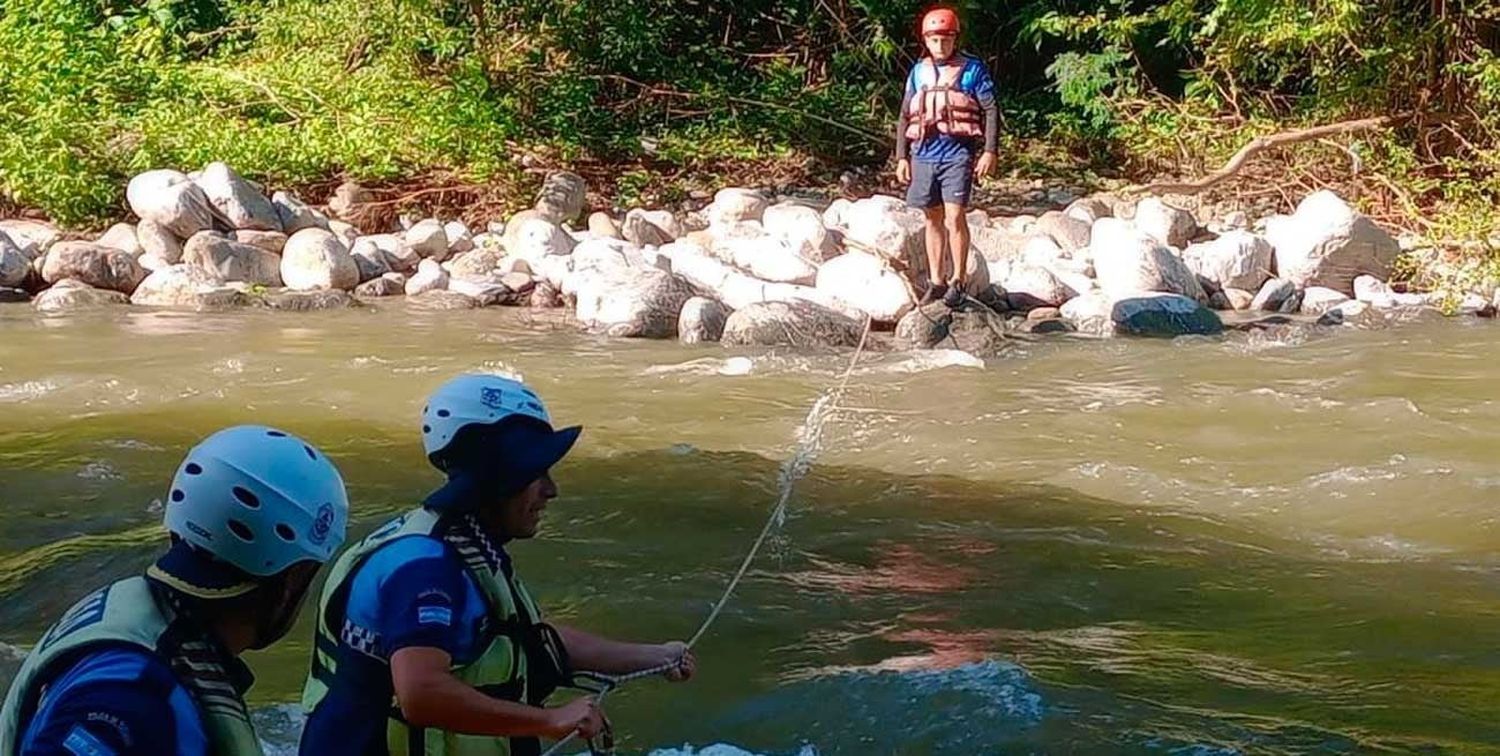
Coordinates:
791	471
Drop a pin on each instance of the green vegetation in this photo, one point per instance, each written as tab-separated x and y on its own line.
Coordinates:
300	92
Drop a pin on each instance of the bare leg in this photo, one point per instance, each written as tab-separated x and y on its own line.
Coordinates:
957	222
937	239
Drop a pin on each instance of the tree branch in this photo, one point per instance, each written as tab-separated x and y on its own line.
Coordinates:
1262	143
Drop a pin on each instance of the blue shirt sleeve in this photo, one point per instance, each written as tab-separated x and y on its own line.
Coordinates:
983	83
116	702
414	593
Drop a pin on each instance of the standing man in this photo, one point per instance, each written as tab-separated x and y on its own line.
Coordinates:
949	127
427	640
149	666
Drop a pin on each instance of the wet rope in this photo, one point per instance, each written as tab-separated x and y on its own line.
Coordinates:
778	514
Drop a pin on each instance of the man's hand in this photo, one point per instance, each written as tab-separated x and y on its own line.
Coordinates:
581	716
686	663
903	171
986	165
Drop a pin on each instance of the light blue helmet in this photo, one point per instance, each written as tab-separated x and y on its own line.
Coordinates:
475	399
258	499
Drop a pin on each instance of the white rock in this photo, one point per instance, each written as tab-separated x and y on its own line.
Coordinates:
295	215
1373	291
1069	232
1317	300
70	295
1089	209
429	239
650	227
868	283
1326	243
701	320
563	197
1169	225
606	254
346	232
601	226
800	228
634	302
183	285
317	259
430	276
460	240
33	238
1273	294
121	236
270	241
171	199
158	243
1238	259
1128	260
837	214
1038	282
531	237
734	205
887	227
240	202
769	259
1041	250
793	324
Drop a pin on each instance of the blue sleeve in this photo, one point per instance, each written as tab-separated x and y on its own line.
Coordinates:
116	703
984	84
414	593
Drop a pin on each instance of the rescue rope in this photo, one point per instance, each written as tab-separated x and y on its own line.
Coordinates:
791	471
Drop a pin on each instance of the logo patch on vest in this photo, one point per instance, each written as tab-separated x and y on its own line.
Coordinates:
434	615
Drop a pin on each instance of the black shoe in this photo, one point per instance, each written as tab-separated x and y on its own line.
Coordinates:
934	293
954	297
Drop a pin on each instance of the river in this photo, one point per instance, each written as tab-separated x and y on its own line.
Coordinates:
1237	545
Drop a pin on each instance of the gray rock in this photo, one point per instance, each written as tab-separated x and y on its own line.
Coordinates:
701	320
1070	233
388	285
1273	294
792	324
93	265
442	299
1169	225
1239	299
460	239
635	302
1089	209
1292	303
237	200
971	328
347	200
295	215
306	301
270	241
429	239
71	295
484	289
430	276
15	265
1238	259
13	296
232	261
33	238
520	283
545	297
1047	326
158	243
601	226
122	236
187	287
1326	243
171	199
563	197
476	262
1317	300
348	233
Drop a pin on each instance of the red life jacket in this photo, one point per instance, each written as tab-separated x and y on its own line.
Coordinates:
939	105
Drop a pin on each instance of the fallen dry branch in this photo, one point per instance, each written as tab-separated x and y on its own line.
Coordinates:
1262	143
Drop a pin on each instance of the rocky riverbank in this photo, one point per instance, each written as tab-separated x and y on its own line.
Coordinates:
745	269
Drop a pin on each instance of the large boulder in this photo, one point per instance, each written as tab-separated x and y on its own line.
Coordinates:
379	254
1169	225
295	215
606	254
1091	312
735	205
1238	259
531	237
1317	300
460	238
800	228
347	233
887	227
237	200
701	320
867	282
638	302
563	197
93	265
1273	294
186	286
122	236
1000	244
791	324
972	328
270	241
1070	233
836	215
768	259
316	259
648	228
1326	243
1164	315
475	262
1128	260
601	226
230	260
15	266
487	290
159	246
430	276
70	295
1089	209
429	238
171	199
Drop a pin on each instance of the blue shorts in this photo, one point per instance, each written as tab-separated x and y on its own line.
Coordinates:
946	182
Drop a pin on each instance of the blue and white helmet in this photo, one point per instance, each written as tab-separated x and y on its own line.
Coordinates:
258	499
475	399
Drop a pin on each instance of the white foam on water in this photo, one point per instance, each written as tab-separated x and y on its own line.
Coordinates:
935	359
25	391
733	366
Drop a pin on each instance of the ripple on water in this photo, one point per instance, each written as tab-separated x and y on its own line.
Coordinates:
25	391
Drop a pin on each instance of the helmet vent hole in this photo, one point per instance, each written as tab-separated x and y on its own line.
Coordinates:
427	429
276	434
444	413
242	531
285	532
246	498
178	495
310	453
193	468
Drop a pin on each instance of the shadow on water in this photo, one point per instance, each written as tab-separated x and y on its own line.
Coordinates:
891	614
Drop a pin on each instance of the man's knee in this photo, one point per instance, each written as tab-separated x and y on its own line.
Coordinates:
956	223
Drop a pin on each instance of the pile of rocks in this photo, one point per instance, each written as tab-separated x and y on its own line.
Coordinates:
742	270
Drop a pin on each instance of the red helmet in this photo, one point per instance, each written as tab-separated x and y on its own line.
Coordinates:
940	21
